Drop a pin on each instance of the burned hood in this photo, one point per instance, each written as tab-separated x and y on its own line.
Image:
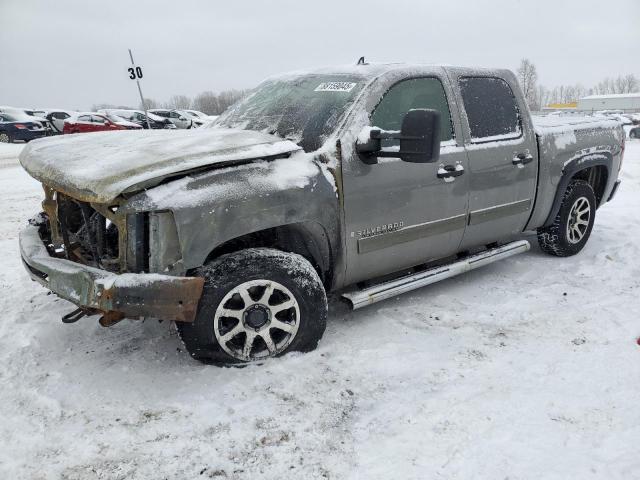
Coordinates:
97	167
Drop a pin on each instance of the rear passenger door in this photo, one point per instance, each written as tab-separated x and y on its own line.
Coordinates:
502	153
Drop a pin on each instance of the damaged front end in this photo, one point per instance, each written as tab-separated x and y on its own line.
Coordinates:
99	257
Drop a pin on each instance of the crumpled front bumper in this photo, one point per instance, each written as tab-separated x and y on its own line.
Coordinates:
130	294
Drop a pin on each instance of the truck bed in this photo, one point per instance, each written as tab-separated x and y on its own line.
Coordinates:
565	138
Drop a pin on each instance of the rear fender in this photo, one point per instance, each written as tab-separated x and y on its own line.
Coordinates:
569	172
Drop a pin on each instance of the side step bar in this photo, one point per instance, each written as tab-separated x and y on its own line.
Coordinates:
362	297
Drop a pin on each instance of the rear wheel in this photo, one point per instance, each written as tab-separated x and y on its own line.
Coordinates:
256	304
570	231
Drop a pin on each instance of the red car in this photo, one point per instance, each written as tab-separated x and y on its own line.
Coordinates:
97	122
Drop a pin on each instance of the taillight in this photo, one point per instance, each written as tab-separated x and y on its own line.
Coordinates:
20	126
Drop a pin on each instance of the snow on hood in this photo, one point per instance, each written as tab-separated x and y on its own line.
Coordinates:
97	167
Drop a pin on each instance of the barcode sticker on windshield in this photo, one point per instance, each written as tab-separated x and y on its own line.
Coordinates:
335	87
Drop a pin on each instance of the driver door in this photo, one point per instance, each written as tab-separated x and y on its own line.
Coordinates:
400	214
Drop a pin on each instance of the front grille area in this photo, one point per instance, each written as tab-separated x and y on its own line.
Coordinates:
94	234
87	236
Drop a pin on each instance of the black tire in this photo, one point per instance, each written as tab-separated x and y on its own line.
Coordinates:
5	138
556	239
633	134
233	271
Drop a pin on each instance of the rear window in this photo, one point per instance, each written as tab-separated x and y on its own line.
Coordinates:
492	109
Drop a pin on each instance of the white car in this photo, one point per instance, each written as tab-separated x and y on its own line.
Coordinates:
200	115
55	116
179	118
615	115
622	119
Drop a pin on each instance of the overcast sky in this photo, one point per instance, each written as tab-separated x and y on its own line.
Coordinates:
72	54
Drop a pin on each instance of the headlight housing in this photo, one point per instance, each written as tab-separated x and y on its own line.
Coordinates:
164	245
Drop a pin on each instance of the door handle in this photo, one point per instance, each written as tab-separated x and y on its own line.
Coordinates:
522	159
449	172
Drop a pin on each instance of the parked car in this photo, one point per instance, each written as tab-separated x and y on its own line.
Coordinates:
197	121
55	117
177	117
138	117
623	119
30	115
197	114
203	117
634	117
371	182
634	132
97	122
15	127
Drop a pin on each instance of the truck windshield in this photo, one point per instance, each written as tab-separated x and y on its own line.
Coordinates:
305	109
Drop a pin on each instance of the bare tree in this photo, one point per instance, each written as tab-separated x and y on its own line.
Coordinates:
630	84
99	106
214	104
179	102
528	78
206	102
149	103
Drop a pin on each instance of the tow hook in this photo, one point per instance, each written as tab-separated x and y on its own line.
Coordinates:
74	316
109	319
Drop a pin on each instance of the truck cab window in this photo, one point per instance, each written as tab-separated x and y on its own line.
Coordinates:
491	108
407	95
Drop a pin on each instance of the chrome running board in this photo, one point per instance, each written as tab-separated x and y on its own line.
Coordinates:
362	297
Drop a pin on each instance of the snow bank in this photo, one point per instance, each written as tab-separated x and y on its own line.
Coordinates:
9	153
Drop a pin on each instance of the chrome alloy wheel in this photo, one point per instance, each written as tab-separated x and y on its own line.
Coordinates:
257	319
579	218
4	138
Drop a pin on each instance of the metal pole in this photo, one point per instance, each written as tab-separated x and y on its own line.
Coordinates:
144	105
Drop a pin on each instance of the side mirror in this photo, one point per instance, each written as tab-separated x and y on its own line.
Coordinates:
419	139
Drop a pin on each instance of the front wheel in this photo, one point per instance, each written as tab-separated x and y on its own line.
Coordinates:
5	138
256	303
569	232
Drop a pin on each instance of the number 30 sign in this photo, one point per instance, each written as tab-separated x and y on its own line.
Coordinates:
135	73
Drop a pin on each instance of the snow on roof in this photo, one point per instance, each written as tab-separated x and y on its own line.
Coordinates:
368	70
74	115
612	95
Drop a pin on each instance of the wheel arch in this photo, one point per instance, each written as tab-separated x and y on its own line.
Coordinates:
308	239
594	169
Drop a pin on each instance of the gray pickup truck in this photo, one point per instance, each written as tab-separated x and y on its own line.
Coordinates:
367	181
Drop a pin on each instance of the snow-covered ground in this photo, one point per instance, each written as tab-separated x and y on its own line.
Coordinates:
9	153
525	369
